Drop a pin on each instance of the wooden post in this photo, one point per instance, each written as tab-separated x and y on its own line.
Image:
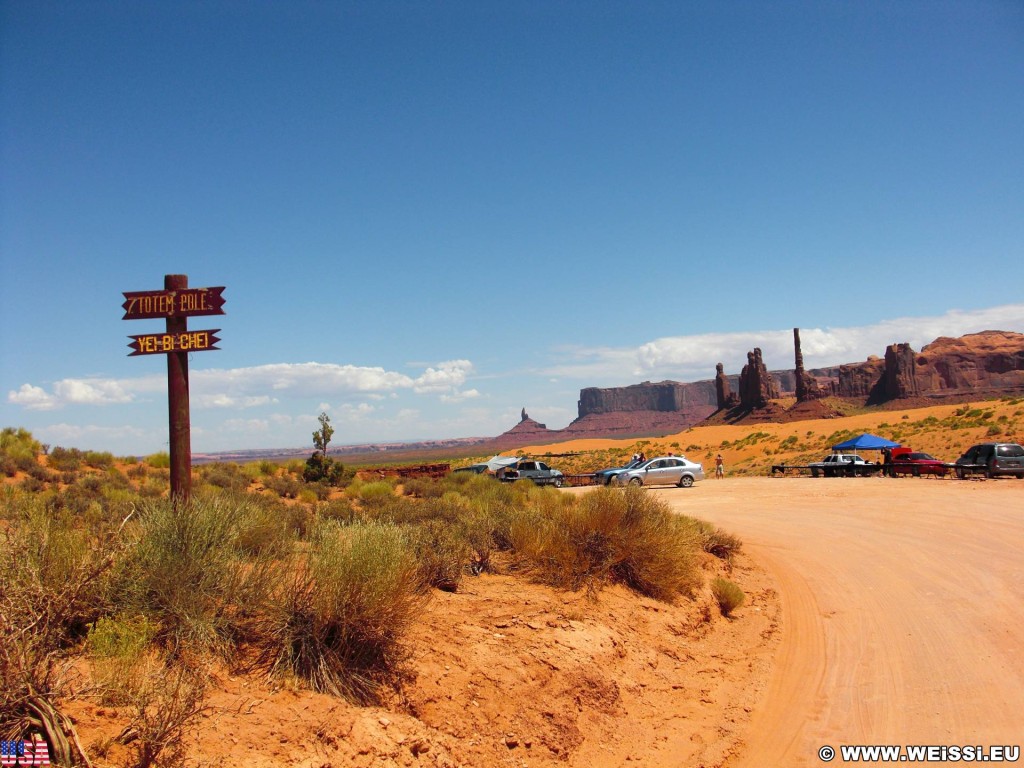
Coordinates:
178	405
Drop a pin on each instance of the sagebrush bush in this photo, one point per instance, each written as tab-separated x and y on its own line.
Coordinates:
194	569
628	537
339	621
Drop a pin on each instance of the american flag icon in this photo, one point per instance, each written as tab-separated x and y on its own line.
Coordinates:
34	752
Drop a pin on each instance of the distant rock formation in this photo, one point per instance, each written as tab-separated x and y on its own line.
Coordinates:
900	378
725	398
757	387
663	396
807	387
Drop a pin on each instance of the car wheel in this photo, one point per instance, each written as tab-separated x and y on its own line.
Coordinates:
685	481
959	474
636	481
916	471
558	482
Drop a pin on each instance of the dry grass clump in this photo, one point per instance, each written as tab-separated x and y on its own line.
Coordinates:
628	537
728	595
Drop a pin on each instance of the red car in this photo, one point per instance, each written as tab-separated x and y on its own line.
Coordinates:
918	464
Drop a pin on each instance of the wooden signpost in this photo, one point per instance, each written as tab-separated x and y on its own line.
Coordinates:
176	303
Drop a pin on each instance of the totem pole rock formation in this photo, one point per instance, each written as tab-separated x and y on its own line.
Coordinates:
757	386
807	387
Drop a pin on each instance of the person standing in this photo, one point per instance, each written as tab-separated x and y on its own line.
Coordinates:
719	467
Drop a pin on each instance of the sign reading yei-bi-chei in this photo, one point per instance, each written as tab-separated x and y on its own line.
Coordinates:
186	302
188	341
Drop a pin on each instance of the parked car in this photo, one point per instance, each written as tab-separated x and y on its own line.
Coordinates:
917	463
662	470
994	459
607	476
840	464
537	471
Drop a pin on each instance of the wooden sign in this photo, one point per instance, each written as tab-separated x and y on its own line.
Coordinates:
175	304
188	302
188	341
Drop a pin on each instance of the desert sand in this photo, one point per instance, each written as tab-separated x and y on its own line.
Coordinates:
878	611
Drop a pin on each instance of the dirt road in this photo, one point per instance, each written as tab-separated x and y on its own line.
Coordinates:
902	609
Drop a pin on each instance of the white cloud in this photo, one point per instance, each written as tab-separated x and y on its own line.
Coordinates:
250	387
222	400
88	434
461	396
33	398
446	377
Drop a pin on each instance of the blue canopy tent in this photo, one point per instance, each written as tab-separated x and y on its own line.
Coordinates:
865	442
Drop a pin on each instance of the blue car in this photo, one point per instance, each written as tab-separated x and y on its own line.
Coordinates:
607	476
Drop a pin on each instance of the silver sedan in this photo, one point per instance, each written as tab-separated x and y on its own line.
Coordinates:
663	470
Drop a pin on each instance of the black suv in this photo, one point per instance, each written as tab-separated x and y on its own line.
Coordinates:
994	459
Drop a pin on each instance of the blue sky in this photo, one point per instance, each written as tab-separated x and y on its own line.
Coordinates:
428	215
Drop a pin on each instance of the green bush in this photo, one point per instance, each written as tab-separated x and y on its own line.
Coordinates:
728	595
161	460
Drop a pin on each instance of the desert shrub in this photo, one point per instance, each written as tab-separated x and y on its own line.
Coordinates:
152	488
41	474
165	704
339	510
339	623
161	460
98	459
728	595
195	569
53	587
627	537
19	445
423	488
285	486
266	467
8	465
316	492
308	495
712	539
64	459
32	485
118	646
224	475
375	492
442	552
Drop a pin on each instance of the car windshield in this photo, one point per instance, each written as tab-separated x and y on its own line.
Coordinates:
1014	451
922	457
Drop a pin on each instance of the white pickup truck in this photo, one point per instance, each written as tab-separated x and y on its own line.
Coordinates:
843	464
537	471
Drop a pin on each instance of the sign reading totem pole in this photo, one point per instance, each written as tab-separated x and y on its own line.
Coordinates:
176	303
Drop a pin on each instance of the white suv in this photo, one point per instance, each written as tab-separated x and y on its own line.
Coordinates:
837	464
